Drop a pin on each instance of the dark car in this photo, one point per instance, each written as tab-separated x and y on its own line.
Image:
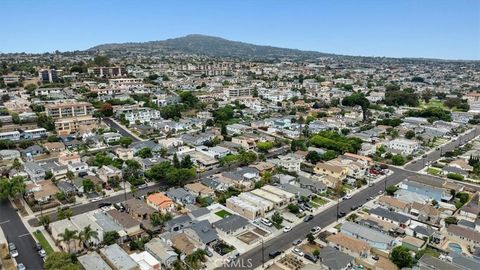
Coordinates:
274	254
354	207
310	257
341	214
308	218
104	204
375	257
38	247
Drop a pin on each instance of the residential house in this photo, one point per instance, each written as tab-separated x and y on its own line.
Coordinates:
390	216
349	245
199	190
34	171
7	154
336	172
333	259
181	196
32	151
245	208
313	185
412	243
202	232
393	204
117	258
111	137
162	252
57	228
160	202
183	243
124	153
146	261
130	225
43	191
93	260
232	225
463	235
289	162
107	173
373	237
53	147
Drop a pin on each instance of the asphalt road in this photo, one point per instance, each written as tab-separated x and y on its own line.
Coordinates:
16	232
253	257
419	164
120	129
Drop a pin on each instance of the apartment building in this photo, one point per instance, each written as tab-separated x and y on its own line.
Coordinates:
238	92
403	146
48	75
70	109
80	124
107	71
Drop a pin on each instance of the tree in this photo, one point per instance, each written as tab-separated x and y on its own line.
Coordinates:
87	234
427	95
311	238
110	238
313	157
101	61
401	257
70	175
159	219
145	153
357	99
88	185
277	218
293	208
11	188
125	141
264	146
132	172
186	162
176	162
44	220
398	160
451	220
391	190
410	134
64	213
106	109
60	261
17	164
68	236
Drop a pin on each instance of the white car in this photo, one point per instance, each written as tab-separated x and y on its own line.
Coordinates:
298	252
266	222
42	253
347	197
315	230
287	229
14	253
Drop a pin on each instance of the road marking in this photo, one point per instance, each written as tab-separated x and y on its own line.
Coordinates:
23	235
3	222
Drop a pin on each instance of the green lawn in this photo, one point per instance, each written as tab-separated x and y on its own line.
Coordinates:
433	103
433	171
41	239
319	200
223	213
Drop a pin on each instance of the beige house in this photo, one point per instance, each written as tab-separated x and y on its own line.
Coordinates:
107	173
124	153
80	124
199	190
54	146
349	245
337	172
57	228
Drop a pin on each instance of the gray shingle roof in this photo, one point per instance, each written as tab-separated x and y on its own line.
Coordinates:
334	259
379	211
231	223
205	231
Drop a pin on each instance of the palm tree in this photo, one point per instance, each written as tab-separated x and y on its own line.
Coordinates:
87	234
67	236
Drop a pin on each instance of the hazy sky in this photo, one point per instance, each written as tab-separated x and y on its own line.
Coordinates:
401	28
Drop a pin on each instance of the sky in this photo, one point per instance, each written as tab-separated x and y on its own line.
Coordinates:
402	28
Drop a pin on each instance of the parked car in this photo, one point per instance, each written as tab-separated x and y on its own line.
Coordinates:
298	252
266	222
315	229
104	204
119	206
297	242
375	257
208	252
308	218
42	253
274	254
347	197
341	214
287	229
310	257
38	246
354	207
21	266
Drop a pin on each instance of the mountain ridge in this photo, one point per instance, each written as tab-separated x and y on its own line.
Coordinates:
210	46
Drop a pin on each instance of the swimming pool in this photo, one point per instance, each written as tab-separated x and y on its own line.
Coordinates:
455	248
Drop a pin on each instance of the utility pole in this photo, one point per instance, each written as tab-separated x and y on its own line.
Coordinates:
124	190
338	207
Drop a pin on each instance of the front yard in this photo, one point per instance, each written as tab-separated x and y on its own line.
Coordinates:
41	239
223	213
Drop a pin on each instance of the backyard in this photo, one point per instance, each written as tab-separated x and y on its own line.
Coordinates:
223	213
